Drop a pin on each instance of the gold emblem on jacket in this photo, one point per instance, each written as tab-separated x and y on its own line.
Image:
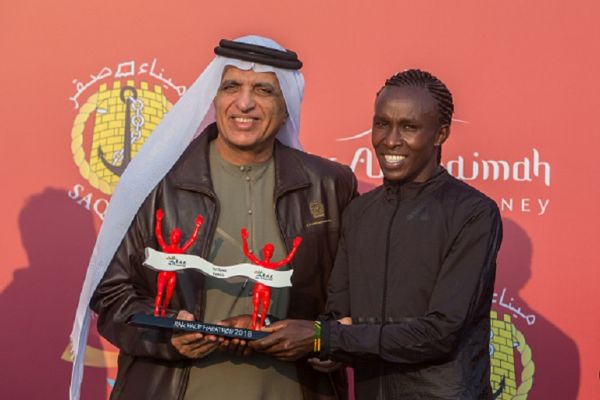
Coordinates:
317	209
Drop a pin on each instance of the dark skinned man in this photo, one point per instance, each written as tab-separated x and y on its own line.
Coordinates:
411	290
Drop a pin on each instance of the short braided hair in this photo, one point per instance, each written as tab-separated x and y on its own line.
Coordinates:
437	88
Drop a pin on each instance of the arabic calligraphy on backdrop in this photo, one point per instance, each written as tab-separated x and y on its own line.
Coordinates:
503	301
124	70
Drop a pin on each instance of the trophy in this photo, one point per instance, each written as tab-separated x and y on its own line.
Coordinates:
172	258
261	293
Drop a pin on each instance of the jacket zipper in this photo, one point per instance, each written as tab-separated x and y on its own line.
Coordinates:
282	230
385	285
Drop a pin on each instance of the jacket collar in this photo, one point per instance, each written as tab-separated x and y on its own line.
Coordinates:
192	170
409	190
289	172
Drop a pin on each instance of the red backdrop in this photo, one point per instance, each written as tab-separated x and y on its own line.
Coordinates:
524	79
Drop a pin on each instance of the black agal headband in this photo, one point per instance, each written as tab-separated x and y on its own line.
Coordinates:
259	54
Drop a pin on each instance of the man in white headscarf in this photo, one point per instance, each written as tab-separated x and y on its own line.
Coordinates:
229	151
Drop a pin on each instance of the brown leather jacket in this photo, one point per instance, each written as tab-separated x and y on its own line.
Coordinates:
311	194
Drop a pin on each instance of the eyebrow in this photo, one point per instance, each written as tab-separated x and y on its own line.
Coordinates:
233	83
257	84
229	82
402	120
410	120
264	84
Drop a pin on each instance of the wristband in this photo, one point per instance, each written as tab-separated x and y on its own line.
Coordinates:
317	339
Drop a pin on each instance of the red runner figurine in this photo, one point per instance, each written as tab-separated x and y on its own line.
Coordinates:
261	294
166	278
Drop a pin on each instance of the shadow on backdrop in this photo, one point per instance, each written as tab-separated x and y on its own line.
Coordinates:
554	354
38	306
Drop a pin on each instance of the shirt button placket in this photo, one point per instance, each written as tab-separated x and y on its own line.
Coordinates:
248	181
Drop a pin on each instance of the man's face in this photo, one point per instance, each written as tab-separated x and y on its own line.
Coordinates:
406	133
250	109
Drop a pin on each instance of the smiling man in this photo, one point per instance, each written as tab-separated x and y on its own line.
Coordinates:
414	274
238	163
250	109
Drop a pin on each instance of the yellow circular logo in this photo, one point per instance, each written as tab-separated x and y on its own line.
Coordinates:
110	128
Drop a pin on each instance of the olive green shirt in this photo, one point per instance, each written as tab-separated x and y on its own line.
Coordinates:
246	200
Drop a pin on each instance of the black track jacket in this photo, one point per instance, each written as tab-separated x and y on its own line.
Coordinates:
415	270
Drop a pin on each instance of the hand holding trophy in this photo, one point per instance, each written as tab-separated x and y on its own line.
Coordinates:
172	258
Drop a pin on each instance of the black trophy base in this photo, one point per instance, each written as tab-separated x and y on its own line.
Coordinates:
195	326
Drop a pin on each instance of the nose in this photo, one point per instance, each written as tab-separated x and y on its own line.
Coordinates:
245	100
394	138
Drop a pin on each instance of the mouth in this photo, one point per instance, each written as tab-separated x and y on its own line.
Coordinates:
243	123
393	160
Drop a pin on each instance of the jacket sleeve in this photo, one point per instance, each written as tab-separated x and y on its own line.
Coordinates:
126	289
338	300
464	285
338	295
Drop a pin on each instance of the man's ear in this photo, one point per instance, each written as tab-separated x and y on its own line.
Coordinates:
441	135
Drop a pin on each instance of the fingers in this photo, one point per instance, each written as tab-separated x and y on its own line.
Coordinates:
286	354
289	340
240	348
345	321
247	351
274	338
185	315
266	342
235	345
196	345
275	326
200	349
239	321
192	344
282	348
181	339
326	366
